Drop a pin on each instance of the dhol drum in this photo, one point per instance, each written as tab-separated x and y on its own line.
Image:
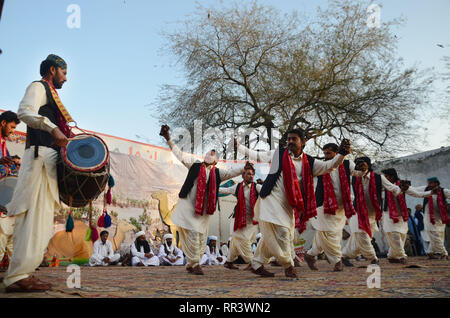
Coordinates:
83	170
7	186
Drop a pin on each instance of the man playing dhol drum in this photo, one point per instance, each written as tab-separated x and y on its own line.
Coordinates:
36	196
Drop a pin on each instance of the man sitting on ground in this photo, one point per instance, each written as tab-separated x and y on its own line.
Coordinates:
103	252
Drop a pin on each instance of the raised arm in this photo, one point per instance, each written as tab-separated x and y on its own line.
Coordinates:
418	193
228	173
387	185
262	156
186	159
324	167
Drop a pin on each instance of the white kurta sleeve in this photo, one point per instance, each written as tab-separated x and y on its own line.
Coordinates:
387	185
258	187
230	190
262	156
162	252
187	159
228	173
323	167
34	98
417	193
135	252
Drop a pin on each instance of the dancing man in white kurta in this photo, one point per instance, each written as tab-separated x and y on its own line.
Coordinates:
435	217
245	228
284	204
197	201
36	197
395	218
103	252
334	206
368	199
169	254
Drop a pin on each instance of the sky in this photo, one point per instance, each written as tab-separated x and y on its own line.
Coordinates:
117	65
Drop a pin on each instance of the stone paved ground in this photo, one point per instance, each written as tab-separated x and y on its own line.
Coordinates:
426	279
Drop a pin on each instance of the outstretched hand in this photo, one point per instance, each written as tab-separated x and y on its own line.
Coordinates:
345	148
404	185
165	132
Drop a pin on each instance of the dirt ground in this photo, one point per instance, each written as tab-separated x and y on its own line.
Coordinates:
419	278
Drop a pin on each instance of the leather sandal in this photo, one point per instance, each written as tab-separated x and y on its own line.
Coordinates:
230	265
311	261
26	285
290	272
262	272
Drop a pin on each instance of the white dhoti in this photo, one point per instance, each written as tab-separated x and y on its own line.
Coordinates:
359	242
95	260
147	261
276	241
396	245
241	242
34	202
437	243
328	235
328	242
193	245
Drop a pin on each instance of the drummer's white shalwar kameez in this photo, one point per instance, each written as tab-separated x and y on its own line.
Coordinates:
242	239
359	242
436	232
328	235
101	251
193	228
276	217
396	232
36	196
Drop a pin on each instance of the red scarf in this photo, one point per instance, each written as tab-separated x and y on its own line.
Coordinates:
361	207
240	219
442	208
294	194
374	198
329	197
62	123
201	191
393	211
345	190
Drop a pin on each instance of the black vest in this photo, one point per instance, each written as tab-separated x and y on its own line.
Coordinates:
425	200
379	188
319	187
37	137
272	178
192	176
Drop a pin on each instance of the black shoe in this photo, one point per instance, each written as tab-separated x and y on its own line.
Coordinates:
347	263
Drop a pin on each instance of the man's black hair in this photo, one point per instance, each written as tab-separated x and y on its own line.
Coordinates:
299	132
104	232
45	67
391	172
332	146
9	116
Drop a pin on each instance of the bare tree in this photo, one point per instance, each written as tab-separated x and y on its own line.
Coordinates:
330	74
